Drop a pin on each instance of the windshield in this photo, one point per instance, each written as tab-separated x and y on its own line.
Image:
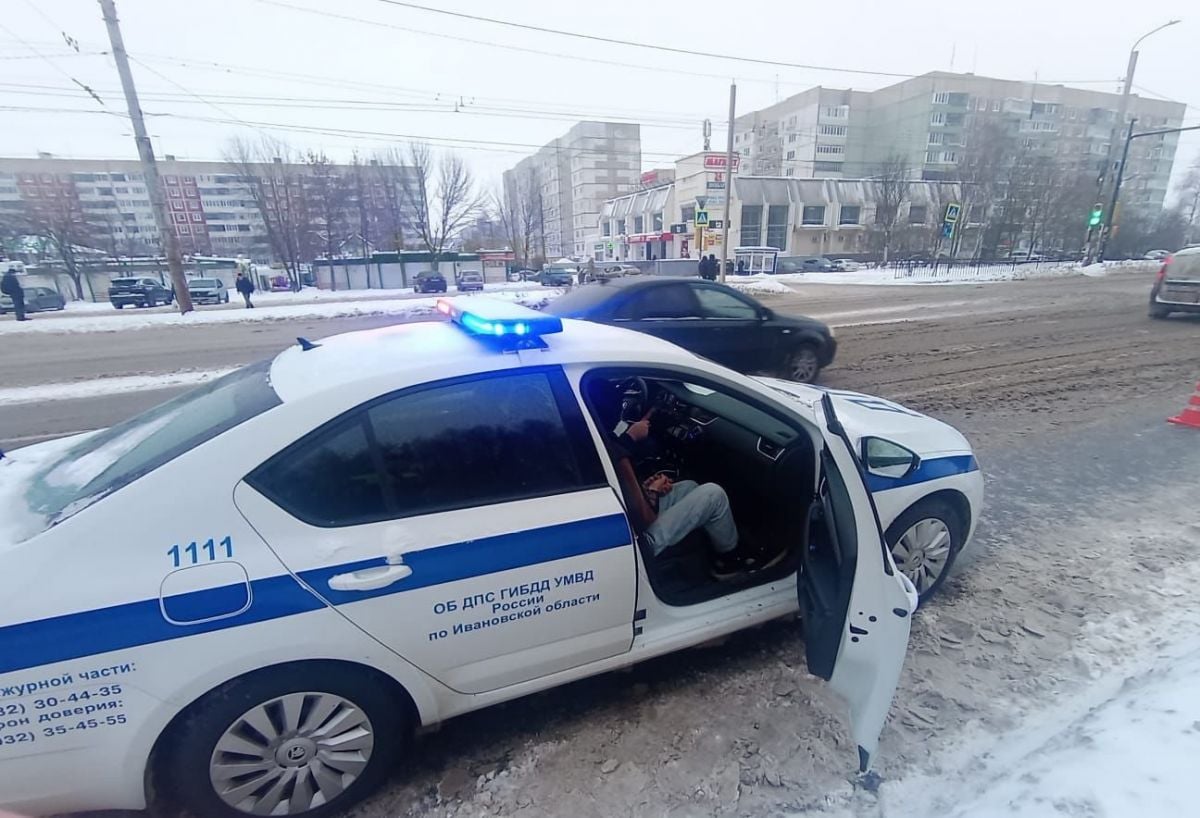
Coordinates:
202	283
126	282
579	300
114	458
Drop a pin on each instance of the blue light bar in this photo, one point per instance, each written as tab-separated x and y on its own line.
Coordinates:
498	319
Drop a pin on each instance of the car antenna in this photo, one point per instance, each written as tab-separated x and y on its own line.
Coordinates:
306	344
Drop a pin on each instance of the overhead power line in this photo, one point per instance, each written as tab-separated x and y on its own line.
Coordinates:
636	44
52	64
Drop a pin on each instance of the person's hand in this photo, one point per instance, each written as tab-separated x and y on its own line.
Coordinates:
659	484
639	431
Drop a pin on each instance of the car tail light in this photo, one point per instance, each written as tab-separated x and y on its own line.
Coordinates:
1162	272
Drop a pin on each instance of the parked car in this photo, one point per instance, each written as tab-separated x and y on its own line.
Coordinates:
1156	255
804	264
846	265
710	319
1177	286
208	291
470	281
37	299
557	278
617	271
522	275
141	291
430	281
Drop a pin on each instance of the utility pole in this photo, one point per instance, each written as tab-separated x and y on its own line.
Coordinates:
1106	231
728	180
166	230
1107	181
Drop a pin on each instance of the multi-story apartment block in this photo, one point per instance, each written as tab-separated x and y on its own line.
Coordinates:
212	206
930	121
572	176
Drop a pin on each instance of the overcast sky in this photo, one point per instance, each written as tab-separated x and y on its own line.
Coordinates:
258	64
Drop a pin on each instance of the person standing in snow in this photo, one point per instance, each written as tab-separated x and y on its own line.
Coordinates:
245	286
12	288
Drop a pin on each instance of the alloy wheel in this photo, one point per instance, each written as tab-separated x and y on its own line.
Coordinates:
923	552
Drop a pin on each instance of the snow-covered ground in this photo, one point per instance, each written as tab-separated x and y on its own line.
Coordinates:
305	304
957	275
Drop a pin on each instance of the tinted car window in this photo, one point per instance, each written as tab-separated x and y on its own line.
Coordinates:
666	301
716	303
580	300
470	443
111	459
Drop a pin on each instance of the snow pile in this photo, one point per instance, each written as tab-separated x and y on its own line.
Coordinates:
113	321
759	285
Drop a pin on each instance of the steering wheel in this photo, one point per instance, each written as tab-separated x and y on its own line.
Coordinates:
635	398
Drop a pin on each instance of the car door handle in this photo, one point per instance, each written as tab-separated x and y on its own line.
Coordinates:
370	579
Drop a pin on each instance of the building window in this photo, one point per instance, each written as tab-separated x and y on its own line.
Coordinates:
938	118
835	111
827	167
777	223
687	213
197	217
830	150
813	215
995	106
849	214
937	138
791	154
949	156
639	224
606	228
751	232
833	130
790	172
941	98
791	137
916	214
658	222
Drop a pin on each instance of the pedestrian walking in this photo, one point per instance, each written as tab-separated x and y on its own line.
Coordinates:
245	286
703	267
741	267
12	288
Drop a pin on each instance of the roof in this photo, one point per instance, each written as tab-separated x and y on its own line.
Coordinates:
407	354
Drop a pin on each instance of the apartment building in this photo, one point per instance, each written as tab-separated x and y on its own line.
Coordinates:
930	120
211	206
571	177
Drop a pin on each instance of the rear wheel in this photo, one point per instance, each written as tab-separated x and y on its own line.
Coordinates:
802	364
119	306
924	541
304	740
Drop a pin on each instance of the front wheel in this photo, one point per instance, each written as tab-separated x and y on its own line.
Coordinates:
802	364
1158	312
924	542
296	741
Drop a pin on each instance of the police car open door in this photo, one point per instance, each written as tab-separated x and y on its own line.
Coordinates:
856	606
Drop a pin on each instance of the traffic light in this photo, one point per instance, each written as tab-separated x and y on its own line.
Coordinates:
1096	214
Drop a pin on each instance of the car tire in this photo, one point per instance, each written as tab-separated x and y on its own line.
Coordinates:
802	364
1159	312
249	713
119	306
916	539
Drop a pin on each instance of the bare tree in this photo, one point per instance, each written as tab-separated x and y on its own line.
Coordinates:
519	210
440	193
330	195
982	167
267	170
365	206
67	232
892	183
1189	202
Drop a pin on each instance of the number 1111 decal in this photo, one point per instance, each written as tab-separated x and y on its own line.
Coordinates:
208	551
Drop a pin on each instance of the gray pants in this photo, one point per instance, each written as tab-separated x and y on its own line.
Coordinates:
689	506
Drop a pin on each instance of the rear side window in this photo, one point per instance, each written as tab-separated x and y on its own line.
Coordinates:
666	301
109	460
466	443
716	303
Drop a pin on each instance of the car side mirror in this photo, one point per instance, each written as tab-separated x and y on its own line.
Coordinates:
887	459
764	314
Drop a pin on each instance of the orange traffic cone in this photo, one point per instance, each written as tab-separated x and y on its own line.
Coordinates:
1190	416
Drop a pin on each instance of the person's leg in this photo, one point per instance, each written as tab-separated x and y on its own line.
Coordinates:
19	306
687	507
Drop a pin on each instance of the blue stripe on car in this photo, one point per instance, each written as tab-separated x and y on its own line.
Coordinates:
119	627
933	469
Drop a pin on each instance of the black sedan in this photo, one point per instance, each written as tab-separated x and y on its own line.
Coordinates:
710	319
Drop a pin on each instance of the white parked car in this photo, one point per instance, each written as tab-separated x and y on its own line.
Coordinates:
242	601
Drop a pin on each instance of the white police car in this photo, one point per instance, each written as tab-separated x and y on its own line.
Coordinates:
242	601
